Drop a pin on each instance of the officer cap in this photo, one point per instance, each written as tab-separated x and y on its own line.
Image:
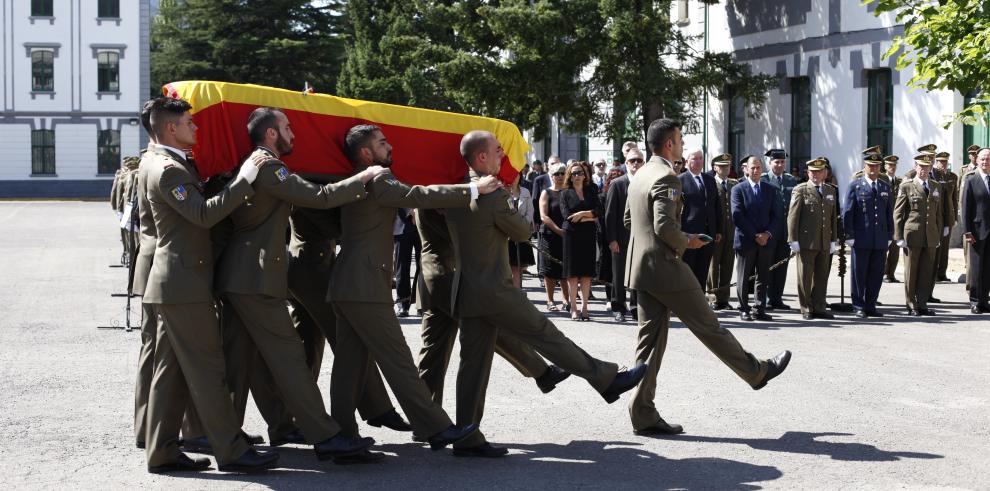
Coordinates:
928	149
924	159
776	153
745	159
873	155
724	159
891	159
973	149
942	156
817	164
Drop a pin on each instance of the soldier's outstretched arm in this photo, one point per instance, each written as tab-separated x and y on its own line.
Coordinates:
178	188
664	195
388	191
275	178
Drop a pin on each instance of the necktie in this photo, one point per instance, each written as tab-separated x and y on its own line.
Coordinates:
819	188
756	191
988	182
874	186
925	185
701	185
725	187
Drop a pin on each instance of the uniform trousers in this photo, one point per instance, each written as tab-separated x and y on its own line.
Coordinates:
720	272
618	290
314	317
867	277
191	425
189	365
247	373
942	259
439	331
812	276
368	332
691	307
699	260
777	277
267	322
893	255
755	260
528	325
919	276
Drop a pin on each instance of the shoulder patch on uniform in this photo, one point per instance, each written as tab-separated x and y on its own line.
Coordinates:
281	173
180	193
168	166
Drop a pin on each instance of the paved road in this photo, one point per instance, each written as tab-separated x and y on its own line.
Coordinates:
888	403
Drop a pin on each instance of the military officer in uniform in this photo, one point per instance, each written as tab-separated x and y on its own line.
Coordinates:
869	225
934	175
720	273
950	188
918	219
893	251
665	285
253	279
488	304
812	233
966	170
784	183
188	356
367	329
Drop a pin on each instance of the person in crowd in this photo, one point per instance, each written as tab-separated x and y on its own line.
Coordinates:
918	219
600	174
551	238
783	184
543	181
521	253
580	207
407	247
678	165
812	234
950	186
976	226
893	251
604	252
700	214
720	274
617	236
869	227
755	211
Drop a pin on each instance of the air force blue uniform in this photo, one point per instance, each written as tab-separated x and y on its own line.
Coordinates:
868	220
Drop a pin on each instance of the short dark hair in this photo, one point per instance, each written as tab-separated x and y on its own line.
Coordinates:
167	111
260	121
146	109
358	137
473	143
659	132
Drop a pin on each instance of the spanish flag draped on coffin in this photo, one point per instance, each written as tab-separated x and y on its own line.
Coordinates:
426	143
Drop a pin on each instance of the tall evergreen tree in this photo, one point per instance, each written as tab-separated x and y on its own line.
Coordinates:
281	43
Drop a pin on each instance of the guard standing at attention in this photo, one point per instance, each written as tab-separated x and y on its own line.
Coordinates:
869	226
812	233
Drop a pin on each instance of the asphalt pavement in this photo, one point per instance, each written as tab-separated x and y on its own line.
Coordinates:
893	402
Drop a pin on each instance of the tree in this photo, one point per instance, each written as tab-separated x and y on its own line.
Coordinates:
280	43
948	42
529	60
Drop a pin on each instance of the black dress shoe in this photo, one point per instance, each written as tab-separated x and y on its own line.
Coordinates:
199	444
485	450
634	314
252	461
879	303
976	309
341	445
618	316
807	316
874	313
860	314
185	463
745	316
252	439
823	315
775	366
913	313
550	378
942	279
452	434
721	306
780	306
928	312
623	381
891	279
365	457
934	300
294	437
661	427
139	445
391	420
762	316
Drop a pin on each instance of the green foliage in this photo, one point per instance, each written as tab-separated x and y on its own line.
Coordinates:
528	60
948	43
281	43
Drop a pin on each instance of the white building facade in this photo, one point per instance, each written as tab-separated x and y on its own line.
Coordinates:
74	76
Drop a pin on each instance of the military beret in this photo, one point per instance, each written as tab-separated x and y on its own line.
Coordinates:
816	164
928	149
724	159
776	153
942	156
924	159
972	149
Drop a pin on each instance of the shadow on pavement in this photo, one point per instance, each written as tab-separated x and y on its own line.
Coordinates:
580	463
808	443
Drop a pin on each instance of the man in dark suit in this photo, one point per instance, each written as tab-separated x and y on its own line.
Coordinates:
542	181
976	223
755	212
784	184
700	214
869	227
617	236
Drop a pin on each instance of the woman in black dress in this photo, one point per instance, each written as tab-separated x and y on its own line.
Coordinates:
580	208
551	236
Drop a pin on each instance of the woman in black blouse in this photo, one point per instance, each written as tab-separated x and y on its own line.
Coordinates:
580	207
